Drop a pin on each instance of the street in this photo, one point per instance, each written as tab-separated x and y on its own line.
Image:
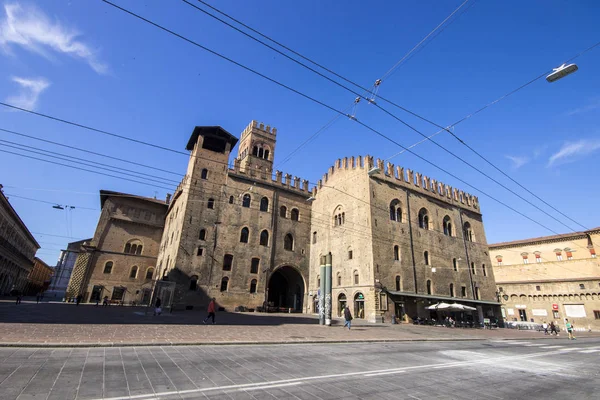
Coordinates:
480	369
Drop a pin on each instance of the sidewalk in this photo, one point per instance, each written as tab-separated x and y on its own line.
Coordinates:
68	325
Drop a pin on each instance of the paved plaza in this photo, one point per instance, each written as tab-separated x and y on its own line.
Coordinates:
59	324
486	369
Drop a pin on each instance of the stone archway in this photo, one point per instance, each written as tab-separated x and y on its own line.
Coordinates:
286	289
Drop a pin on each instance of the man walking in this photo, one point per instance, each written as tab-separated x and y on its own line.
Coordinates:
545	326
211	311
569	327
553	328
347	317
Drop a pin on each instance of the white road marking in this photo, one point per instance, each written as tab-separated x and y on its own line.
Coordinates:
271	386
386	373
572	348
590	351
298	381
534	345
551	347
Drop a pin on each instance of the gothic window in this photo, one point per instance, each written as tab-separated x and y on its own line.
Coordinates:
264	204
447	226
468	232
108	267
424	218
246	201
260	152
194	282
314	239
294	214
398	282
227	262
395	211
396	253
202	235
204	174
224	284
266	154
253	286
452	290
283	212
211	203
133	247
339	279
149	273
454	264
255	151
350	254
244	235
133	272
264	238
356	280
429	289
288	242
254	265
426	257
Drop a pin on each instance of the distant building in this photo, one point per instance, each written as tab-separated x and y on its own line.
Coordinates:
62	272
38	279
120	260
17	249
550	278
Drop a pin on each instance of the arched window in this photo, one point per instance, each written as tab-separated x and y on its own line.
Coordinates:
224	284
253	286
283	212
473	271
149	273
211	203
356	279
314	237
454	264
452	290
395	211
426	257
204	174
339	279
483	270
447	226
468	232
255	151
230	199
133	247
398	282
246	200
423	218
127	248
254	265
294	214
244	235
288	242
193	282
227	262
264	238
336	222
338	216
133	272
266	154
202	235
396	253
429	290
264	204
108	267
260	152
343	220
477	293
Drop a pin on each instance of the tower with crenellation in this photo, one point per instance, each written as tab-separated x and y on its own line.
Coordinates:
257	147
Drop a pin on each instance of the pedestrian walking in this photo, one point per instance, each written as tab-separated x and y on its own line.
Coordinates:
570	328
105	301
18	298
211	311
545	326
78	300
347	317
553	329
157	306
37	297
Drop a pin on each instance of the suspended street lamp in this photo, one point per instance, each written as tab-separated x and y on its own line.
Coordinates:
561	72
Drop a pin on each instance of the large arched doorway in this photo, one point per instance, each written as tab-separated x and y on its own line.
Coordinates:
286	289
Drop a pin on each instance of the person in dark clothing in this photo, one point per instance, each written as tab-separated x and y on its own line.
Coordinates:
347	317
79	298
157	307
553	328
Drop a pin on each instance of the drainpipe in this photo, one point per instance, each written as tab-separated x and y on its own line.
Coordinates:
412	247
274	224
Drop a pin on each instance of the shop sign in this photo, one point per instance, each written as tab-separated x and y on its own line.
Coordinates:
555	306
521	306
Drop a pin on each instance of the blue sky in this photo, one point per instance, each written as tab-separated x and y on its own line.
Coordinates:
93	64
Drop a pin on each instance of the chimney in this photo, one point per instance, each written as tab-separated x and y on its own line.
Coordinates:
168	199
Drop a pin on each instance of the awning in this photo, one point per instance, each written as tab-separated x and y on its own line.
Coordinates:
443	298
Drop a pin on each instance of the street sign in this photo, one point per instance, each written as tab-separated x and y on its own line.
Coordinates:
555	306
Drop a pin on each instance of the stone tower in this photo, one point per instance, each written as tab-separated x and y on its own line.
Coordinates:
257	147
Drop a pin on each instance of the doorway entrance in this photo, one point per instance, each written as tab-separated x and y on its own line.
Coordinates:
522	315
359	305
286	289
341	304
96	293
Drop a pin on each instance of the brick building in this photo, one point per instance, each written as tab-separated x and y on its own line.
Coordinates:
38	279
120	260
550	278
17	249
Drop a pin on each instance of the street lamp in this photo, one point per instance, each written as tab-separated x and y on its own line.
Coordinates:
561	72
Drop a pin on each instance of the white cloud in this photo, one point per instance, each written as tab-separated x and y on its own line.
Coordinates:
31	29
570	152
518	162
590	107
29	93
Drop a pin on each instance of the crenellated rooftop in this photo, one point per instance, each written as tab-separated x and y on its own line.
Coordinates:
403	177
253	125
287	181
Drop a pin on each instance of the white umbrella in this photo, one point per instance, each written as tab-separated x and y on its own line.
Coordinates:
439	306
462	307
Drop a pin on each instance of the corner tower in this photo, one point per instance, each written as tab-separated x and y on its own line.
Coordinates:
257	147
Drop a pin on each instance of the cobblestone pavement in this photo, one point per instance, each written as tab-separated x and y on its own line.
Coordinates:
56	324
487	369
